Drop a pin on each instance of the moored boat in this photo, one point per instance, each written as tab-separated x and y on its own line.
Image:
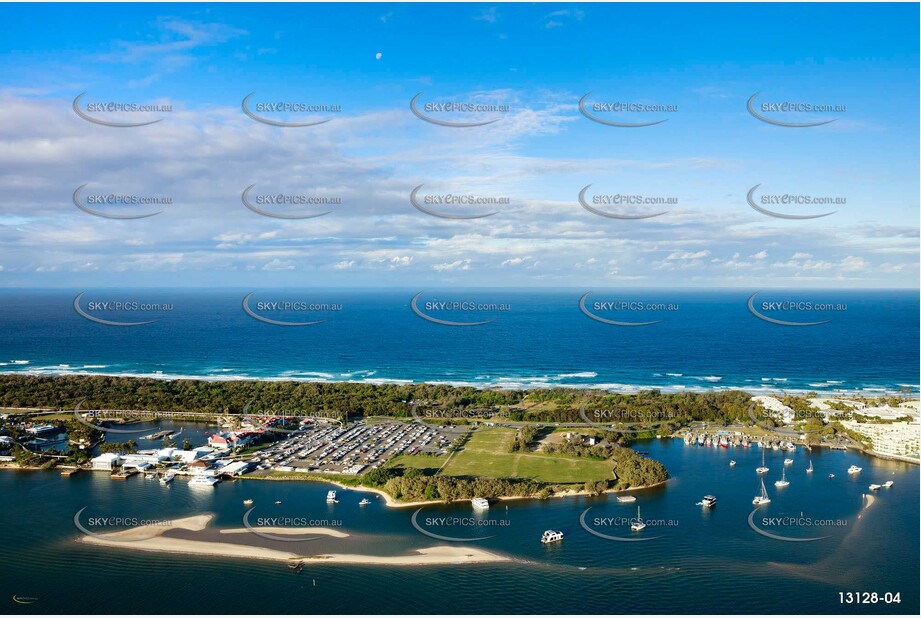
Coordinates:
638	523
854	469
480	504
551	536
763	498
626	499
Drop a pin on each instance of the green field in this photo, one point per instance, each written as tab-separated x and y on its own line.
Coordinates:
429	464
486	455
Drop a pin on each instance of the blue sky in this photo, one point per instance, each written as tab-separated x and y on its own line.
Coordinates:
539	60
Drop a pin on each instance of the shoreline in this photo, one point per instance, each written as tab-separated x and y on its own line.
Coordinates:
151	539
391	502
623	389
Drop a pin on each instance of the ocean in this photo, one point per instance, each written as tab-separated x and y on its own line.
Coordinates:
700	339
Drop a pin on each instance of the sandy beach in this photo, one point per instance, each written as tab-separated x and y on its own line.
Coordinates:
151	538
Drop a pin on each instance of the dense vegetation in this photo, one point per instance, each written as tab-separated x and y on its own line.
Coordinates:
355	400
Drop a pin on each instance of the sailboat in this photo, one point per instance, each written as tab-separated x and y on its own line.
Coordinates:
638	524
783	482
763	498
809	469
762	468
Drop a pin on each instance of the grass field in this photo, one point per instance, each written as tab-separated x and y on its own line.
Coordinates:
486	455
429	464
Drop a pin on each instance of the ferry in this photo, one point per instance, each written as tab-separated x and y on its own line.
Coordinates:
551	536
626	499
875	487
364	502
783	482
854	469
638	523
167	478
708	502
331	497
480	504
763	498
887	484
204	481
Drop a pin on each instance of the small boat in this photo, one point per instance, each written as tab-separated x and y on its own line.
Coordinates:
762	469
763	498
708	502
296	566
551	536
875	487
150	476
854	469
810	468
331	497
831	476
626	499
638	523
887	484
480	504
248	501
732	462
278	502
783	482
167	478
788	462
364	502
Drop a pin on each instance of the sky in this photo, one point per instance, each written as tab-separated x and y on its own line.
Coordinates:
532	63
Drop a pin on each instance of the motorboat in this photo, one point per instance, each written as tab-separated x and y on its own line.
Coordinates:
204	481
331	497
788	462
732	462
248	501
854	470
480	504
364	502
167	478
887	484
875	487
626	499
708	502
551	536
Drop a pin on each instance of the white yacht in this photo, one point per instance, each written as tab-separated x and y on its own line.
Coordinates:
788	462
201	480
763	498
732	462
887	484
167	478
708	502
248	501
762	469
638	523
810	468
875	487
783	482
480	504
626	499
854	469
551	536
364	502
331	497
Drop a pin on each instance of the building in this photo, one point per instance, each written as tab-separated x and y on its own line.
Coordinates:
106	461
235	468
890	439
232	439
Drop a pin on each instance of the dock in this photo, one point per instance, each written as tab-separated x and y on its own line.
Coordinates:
70	472
121	476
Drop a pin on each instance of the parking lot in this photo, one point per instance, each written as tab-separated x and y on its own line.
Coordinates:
354	449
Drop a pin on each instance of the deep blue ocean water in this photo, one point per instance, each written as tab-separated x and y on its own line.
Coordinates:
540	339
